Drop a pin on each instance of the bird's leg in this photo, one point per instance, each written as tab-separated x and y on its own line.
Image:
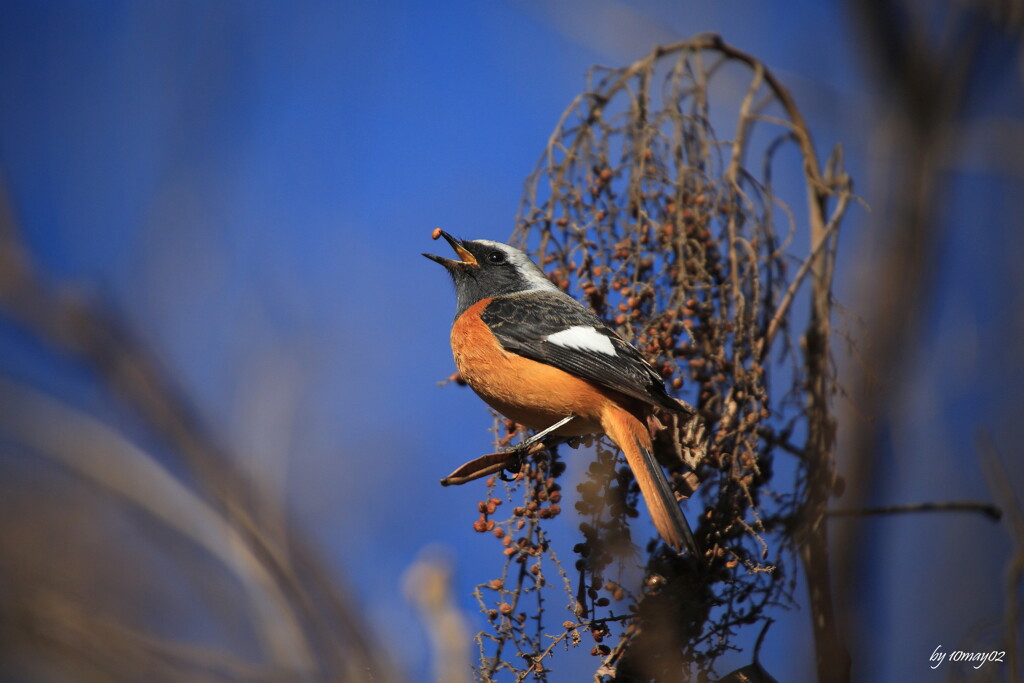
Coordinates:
499	462
544	432
520	449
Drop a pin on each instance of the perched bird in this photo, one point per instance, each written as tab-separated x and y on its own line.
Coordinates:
537	356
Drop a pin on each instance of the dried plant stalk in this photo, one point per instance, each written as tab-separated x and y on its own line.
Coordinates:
671	236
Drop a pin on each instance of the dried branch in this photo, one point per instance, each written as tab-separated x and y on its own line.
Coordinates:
311	626
671	238
492	463
97	453
991	511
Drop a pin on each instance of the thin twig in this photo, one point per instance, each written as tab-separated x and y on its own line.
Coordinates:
993	512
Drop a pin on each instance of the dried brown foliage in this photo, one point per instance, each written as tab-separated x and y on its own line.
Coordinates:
683	243
106	545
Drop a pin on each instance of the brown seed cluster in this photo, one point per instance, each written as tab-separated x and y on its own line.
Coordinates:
642	213
661	264
688	270
524	544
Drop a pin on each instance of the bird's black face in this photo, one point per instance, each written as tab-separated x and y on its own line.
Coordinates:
488	269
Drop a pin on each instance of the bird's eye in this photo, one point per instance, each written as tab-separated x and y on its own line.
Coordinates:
496	257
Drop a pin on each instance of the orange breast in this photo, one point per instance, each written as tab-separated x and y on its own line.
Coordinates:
531	393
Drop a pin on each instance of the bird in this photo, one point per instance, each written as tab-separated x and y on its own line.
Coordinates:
538	356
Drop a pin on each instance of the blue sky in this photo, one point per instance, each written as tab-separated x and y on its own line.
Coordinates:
251	184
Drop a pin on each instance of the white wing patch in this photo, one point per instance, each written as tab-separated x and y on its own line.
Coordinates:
583	337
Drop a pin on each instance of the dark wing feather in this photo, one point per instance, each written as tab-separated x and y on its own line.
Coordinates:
522	323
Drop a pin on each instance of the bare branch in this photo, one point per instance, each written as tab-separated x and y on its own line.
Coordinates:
987	509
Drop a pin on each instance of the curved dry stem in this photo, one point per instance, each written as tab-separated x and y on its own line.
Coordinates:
668	234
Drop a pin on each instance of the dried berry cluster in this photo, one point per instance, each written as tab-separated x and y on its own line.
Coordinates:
641	211
526	548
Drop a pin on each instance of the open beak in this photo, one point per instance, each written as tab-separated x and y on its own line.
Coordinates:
468	260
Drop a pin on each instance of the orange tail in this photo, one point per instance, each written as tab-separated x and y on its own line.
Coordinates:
632	437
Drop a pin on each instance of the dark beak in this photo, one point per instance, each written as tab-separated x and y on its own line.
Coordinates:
468	260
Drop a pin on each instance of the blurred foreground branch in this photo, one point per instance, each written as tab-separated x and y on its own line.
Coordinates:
309	626
998	478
